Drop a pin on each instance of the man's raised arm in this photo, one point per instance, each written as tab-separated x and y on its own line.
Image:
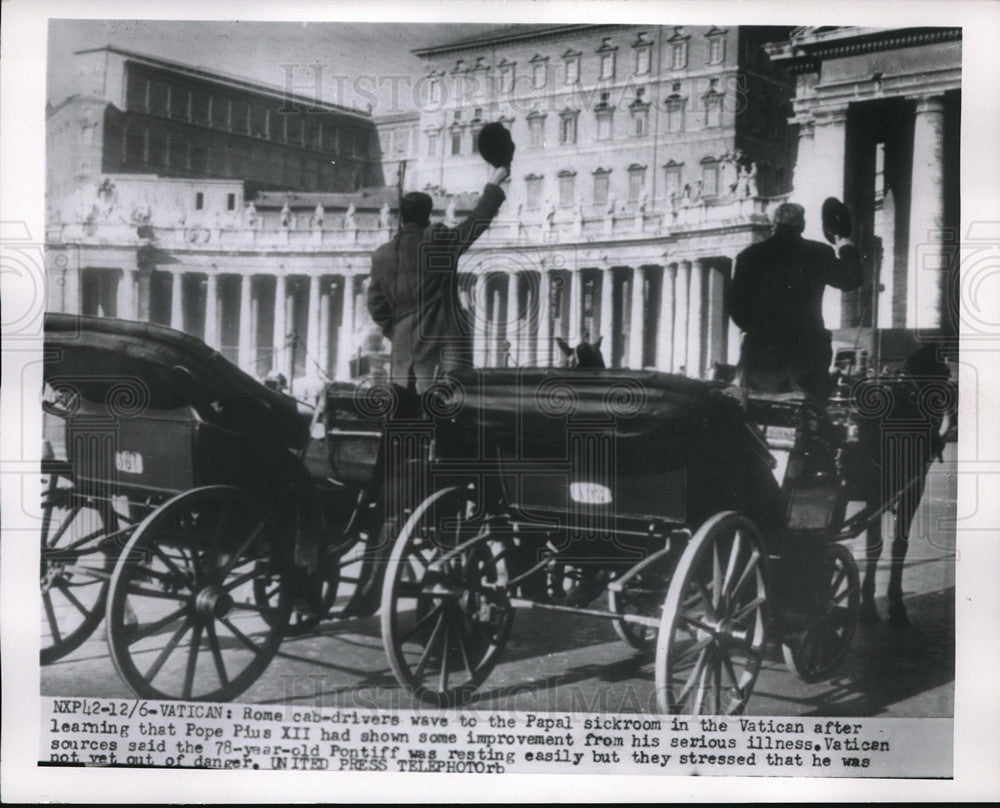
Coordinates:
486	209
845	270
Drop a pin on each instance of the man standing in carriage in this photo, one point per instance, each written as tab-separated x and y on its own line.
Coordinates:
777	297
413	292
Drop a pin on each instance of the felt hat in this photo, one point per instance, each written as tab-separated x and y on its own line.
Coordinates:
836	219
496	145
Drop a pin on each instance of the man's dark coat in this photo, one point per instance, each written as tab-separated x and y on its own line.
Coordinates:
413	294
777	300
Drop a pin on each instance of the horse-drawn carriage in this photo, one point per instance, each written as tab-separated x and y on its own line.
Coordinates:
188	504
646	499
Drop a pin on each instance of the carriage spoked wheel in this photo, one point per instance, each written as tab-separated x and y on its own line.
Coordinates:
445	614
815	651
77	557
643	596
200	629
314	595
713	629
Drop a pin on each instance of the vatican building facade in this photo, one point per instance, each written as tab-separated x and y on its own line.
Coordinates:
647	158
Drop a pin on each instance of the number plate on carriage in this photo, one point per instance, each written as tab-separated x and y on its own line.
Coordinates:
129	462
590	493
783	434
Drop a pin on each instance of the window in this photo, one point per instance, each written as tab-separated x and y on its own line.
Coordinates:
239	120
456	140
539	73
230	201
567	179
607	54
672	178
435	91
675	114
601	184
571	59
458	115
567	127
536	131
199	201
636	182
331	137
640	114
159	97
533	196
716	46
219	108
709	177
507	77
179	103
432	144
643	50
475	138
713	110
604	124
678	54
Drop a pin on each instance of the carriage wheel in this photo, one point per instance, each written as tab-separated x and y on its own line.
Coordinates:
816	651
76	562
714	623
643	595
313	598
188	574
444	626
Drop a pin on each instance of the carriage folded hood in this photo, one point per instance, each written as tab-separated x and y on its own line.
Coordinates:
159	368
631	403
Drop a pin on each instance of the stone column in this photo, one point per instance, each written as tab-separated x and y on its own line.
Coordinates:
345	348
683	315
820	176
143	292
177	300
323	356
513	317
544	327
254	325
477	313
733	334
71	291
637	331
715	319
244	351
665	330
212	310
926	264
607	308
126	295
493	346
312	326
573	335
279	363
695	358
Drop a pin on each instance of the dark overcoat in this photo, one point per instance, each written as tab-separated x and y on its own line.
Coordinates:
413	294
777	301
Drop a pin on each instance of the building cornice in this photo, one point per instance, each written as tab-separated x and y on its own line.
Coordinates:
804	51
235	82
507	37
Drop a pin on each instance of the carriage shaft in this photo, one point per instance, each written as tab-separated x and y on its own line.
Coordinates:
522	603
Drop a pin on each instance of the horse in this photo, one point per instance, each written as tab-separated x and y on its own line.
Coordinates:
902	421
584	355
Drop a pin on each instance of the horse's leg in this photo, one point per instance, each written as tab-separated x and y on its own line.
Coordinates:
906	509
873	551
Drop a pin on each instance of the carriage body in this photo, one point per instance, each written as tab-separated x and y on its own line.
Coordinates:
609	452
177	506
